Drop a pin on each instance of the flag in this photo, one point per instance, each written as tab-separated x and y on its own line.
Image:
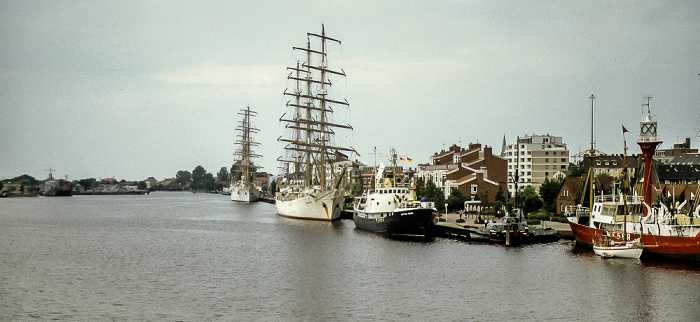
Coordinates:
409	159
357	154
624	129
401	158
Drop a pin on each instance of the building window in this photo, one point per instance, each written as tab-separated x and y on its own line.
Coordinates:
554	153
546	153
474	188
563	160
546	160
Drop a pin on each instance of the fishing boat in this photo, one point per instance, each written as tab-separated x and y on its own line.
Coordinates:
392	207
664	235
310	182
243	188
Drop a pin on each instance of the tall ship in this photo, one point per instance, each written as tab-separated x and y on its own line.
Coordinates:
392	207
663	233
243	187
309	185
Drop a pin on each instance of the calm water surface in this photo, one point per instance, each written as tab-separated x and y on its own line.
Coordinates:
183	256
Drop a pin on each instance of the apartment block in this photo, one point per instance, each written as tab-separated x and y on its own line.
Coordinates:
534	158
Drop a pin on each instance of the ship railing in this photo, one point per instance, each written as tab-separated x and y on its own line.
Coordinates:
630	218
577	211
416	204
618	198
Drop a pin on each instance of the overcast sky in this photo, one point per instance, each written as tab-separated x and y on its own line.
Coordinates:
132	89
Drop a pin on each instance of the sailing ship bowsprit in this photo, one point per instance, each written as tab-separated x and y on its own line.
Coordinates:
243	187
309	187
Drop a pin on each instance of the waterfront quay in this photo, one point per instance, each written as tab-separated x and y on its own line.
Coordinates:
450	228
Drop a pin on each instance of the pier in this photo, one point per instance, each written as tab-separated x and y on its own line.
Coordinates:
452	229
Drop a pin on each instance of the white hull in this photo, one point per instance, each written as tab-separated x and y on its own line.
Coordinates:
629	250
320	205
244	192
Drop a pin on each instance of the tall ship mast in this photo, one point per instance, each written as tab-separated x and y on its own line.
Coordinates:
309	183
243	188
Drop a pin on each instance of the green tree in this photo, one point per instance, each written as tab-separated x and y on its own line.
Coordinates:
420	188
577	171
208	183
456	200
273	187
142	185
529	199
548	192
25	179
183	177
500	196
435	194
88	183
356	189
199	178
223	174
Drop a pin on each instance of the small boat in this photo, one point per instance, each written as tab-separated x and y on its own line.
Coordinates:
608	247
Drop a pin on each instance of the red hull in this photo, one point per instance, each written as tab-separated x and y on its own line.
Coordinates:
671	247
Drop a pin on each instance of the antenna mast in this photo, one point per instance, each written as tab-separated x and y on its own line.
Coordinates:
592	97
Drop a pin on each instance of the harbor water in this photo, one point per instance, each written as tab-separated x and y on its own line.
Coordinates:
183	256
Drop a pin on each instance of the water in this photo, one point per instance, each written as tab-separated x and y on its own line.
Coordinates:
183	256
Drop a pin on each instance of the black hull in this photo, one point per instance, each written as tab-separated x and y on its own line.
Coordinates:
418	222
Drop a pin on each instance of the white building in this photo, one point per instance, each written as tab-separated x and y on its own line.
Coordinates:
536	157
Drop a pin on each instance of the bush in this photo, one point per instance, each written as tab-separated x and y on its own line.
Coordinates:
460	220
534	221
441	219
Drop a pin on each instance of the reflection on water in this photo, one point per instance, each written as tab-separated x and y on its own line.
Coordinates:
181	256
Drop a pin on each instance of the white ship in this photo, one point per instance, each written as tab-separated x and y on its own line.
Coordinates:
243	187
309	184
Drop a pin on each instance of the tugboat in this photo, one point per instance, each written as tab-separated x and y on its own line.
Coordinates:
514	230
392	208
